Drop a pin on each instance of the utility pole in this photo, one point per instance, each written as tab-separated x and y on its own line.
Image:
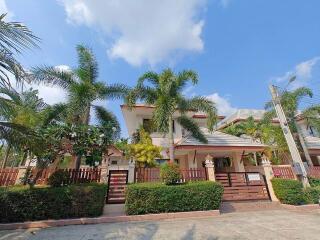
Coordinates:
296	158
303	144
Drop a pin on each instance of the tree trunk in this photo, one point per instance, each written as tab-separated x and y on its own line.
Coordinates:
87	115
171	141
6	156
78	161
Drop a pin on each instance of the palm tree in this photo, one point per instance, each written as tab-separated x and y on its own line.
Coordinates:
82	88
164	92
14	38
81	85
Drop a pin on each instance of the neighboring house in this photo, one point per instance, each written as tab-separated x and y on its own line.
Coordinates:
228	152
311	136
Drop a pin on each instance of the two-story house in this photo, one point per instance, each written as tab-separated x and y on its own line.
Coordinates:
227	151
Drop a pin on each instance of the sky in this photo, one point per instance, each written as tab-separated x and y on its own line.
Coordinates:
238	47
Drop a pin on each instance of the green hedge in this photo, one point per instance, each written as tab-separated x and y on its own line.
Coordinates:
19	204
143	198
313	194
314	182
288	191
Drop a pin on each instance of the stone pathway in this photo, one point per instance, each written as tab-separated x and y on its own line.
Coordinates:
114	210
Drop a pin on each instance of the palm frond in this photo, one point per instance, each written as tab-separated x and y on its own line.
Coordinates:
55	113
15	36
151	77
113	91
52	76
88	67
200	104
192	127
186	76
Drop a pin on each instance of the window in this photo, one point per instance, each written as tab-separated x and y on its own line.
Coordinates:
150	128
148	125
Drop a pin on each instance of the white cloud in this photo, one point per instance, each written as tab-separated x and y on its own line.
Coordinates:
4	9
303	72
143	31
223	104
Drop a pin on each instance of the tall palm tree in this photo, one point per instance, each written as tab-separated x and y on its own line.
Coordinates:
82	88
14	38
164	92
81	85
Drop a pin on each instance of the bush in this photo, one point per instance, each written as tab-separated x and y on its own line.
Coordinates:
143	198
19	204
59	178
312	194
170	173
288	191
314	182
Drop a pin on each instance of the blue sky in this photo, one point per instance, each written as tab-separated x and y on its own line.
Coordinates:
237	47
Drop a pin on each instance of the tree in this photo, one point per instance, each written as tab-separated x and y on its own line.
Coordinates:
83	89
143	151
21	115
164	92
81	85
14	38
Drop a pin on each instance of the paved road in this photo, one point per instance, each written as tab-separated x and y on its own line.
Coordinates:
273	224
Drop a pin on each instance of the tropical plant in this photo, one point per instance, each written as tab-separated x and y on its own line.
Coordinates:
81	85
165	92
83	89
170	173
143	151
14	38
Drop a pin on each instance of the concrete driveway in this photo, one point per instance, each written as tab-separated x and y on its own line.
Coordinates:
273	224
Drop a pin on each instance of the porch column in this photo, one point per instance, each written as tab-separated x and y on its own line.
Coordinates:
210	168
318	158
237	161
267	168
131	170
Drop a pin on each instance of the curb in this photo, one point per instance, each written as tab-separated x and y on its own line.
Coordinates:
106	219
301	207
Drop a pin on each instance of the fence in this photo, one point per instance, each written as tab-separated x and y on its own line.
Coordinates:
8	176
314	172
153	174
283	171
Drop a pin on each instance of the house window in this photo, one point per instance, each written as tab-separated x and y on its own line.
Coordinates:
150	128
148	125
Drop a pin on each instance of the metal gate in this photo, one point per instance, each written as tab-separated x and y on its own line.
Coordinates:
243	186
117	182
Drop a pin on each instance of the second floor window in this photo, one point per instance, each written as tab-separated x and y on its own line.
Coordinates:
149	126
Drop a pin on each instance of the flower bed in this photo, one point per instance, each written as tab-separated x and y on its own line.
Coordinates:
144	198
19	204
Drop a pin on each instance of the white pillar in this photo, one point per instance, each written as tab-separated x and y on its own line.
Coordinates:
131	170
210	168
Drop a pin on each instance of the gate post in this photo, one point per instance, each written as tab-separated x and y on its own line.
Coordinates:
210	168
131	169
267	168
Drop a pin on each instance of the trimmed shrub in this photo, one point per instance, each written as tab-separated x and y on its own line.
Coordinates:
312	194
143	198
59	178
288	191
314	182
170	173
19	204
